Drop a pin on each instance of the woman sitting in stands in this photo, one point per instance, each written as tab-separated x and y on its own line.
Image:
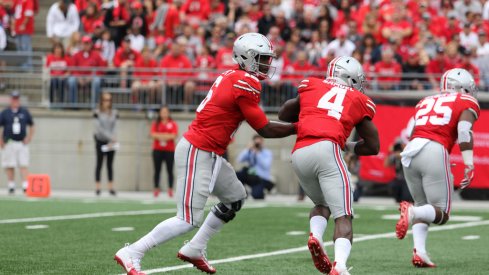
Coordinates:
145	73
56	63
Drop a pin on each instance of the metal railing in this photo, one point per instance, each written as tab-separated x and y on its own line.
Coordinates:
22	60
184	89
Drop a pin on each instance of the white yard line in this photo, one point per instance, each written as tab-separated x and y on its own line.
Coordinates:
104	214
89	216
304	248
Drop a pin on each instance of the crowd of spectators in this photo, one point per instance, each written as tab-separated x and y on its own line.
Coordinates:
403	44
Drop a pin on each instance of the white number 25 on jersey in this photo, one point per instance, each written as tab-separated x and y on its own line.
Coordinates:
334	108
433	111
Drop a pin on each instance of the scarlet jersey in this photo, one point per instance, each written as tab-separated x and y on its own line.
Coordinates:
329	111
24	14
57	65
170	127
437	117
233	97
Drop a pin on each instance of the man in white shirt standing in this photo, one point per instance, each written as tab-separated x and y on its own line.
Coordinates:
468	38
482	59
341	46
62	20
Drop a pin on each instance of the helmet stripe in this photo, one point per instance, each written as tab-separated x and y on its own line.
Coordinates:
332	65
445	81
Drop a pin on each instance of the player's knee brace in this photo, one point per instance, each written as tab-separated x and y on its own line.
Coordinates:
444	218
226	213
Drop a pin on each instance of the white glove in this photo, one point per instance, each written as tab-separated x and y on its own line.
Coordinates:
468	176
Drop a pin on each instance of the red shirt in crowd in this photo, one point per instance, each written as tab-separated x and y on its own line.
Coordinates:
448	32
24	14
205	62
121	56
438	67
169	127
297	70
121	13
432	125
224	59
176	62
396	27
388	72
82	5
172	20
89	23
148	69
196	11
318	121
234	97
219	9
87	59
57	65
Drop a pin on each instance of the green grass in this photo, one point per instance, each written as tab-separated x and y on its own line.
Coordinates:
87	246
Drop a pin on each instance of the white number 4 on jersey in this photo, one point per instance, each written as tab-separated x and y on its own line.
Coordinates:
334	108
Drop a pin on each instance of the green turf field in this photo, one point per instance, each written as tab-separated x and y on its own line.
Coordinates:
85	244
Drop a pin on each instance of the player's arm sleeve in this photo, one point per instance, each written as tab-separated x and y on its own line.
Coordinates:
247	94
253	114
369	108
471	104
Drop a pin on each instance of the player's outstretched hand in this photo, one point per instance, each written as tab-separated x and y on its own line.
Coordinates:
468	176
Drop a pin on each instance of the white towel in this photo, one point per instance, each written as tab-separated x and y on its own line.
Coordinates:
412	149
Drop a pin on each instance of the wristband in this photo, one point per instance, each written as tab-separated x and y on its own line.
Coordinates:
468	156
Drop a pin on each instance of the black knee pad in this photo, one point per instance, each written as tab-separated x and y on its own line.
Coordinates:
225	213
444	218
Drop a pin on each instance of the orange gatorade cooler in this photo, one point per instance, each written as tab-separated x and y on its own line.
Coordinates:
38	186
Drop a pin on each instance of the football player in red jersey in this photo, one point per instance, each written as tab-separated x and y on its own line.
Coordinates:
327	111
201	170
440	120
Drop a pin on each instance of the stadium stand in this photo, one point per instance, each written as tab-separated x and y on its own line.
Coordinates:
403	44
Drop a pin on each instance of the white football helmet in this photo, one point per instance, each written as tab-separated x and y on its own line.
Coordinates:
458	80
254	53
349	70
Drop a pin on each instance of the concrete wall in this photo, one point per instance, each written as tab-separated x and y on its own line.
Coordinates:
63	147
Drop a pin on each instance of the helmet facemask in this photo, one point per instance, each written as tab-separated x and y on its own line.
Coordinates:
471	90
261	65
359	83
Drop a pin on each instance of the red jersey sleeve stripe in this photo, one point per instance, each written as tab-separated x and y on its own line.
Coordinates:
371	107
473	112
371	102
248	85
470	99
302	86
251	90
